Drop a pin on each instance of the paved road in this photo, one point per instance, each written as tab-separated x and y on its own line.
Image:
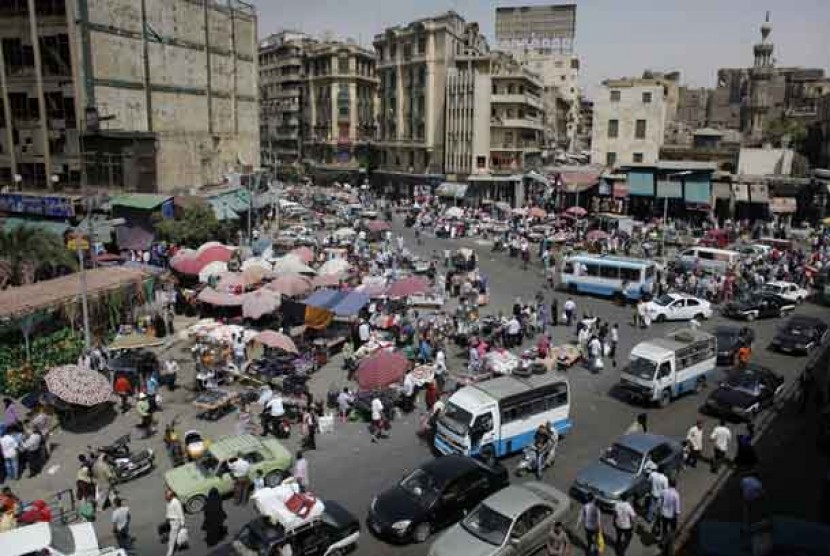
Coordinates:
347	467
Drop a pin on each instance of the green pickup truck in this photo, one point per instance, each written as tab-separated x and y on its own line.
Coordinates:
192	482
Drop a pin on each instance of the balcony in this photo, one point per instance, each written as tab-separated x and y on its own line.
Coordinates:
521	146
521	123
516	99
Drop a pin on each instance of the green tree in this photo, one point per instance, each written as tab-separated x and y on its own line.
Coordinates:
196	225
28	254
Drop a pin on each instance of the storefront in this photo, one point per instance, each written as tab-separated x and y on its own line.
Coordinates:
505	189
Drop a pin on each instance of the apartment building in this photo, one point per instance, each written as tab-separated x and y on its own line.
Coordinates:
631	116
157	95
413	62
494	116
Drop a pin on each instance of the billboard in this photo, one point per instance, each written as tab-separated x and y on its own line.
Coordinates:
550	27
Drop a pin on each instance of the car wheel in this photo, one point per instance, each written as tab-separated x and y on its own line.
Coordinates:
700	316
421	532
660	318
751	316
665	398
274	478
195	505
700	384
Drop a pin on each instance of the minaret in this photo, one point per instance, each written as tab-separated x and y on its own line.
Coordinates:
760	76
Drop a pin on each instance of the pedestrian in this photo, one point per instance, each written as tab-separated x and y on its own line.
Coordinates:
640	424
589	518
145	414
669	511
554	312
658	482
377	418
408	392
300	471
104	476
721	437
239	468
152	391
570	311
624	519
274	411
84	484
32	446
694	439
615	339
214	521
121	524
10	446
344	404
753	496
175	521
310	428
123	388
558	543
440	368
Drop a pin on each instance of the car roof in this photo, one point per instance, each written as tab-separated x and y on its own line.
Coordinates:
513	500
448	468
805	320
642	441
227	447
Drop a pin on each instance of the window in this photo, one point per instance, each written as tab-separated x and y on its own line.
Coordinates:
343	65
640	129
610	159
612	272
647	98
422	45
591	269
613	128
630	274
481	161
638	157
253	457
615	96
660	453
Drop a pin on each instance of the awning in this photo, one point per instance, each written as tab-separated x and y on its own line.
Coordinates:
758	193
722	190
101	229
57	228
640	184
783	205
265	199
351	304
141	201
452	190
669	189
578	182
697	189
740	192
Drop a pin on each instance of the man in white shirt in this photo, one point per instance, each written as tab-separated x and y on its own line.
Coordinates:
121	524
300	471
274	410
624	519
363	332
721	437
694	439
440	368
377	419
570	311
589	518
239	468
513	330
409	391
669	509
10	445
175	518
658	483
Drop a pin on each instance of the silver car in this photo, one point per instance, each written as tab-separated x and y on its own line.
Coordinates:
514	521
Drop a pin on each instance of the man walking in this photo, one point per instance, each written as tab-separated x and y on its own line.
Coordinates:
721	437
10	447
658	483
239	468
694	439
570	311
274	409
300	471
558	543
175	521
121	524
589	518
142	407
669	511
615	339
624	519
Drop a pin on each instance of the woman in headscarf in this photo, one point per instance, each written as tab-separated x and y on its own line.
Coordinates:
214	524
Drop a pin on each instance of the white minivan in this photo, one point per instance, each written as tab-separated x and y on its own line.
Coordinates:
709	258
37	539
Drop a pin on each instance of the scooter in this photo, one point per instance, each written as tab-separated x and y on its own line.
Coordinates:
529	460
129	466
118	449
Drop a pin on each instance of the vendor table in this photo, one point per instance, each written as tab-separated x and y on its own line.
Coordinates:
214	404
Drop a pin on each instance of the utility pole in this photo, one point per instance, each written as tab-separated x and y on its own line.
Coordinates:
84	303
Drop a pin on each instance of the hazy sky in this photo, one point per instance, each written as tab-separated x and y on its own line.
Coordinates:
614	38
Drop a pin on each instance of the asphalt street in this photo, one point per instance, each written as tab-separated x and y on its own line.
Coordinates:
348	468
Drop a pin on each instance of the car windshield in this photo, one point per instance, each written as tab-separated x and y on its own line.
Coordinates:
726	338
642	368
798	330
772	288
421	485
664	300
457	418
622	458
207	464
487	524
744	382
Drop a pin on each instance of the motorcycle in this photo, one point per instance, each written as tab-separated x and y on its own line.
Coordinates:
126	465
530	460
118	449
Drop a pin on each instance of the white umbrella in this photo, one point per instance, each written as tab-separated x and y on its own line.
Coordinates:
454	212
345	232
293	265
256	262
334	266
212	269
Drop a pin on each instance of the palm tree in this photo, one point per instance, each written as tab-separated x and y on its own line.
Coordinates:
27	254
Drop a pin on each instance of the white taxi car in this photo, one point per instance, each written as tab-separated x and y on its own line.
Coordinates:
786	290
678	306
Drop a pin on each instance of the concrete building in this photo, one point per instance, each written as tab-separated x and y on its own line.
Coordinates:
143	96
412	64
631	116
691	115
282	59
494	119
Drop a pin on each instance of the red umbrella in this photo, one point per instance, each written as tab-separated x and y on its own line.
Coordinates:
291	285
536	212
381	369
304	253
259	303
578	212
187	263
276	340
378	226
215	253
327	280
405	287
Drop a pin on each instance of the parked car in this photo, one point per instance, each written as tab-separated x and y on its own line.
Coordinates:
336	532
192	482
678	306
758	305
620	470
786	290
800	334
38	538
433	496
744	393
515	520
729	339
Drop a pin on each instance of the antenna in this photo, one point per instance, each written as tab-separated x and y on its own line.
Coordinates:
767	20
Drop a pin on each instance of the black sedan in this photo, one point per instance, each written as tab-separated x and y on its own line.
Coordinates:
435	495
744	393
730	338
758	305
800	334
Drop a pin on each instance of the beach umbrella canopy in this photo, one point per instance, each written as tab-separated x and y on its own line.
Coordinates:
276	340
381	369
596	235
345	232
326	280
219	299
454	212
259	303
185	262
411	285
214	253
216	268
291	264
536	212
256	262
256	274
378	226
78	386
291	285
577	212
334	266
303	253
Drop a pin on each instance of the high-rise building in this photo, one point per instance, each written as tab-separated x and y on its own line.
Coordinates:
631	117
119	94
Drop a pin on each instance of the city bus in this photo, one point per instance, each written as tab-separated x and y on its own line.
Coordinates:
607	275
502	414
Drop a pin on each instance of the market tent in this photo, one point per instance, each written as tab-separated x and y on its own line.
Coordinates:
78	386
256	262
381	369
219	299
334	266
454	212
216	268
452	190
536	212
577	212
351	304
291	285
411	285
326	280
292	264
303	253
344	233
256	274
276	340
259	303
321	298
261	245
186	263
134	341
373	286
214	253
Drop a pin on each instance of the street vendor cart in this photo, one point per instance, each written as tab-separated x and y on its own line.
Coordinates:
214	404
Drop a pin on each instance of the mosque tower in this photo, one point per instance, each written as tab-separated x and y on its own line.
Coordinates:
760	76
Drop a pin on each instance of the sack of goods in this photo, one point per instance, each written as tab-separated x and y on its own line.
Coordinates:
287	506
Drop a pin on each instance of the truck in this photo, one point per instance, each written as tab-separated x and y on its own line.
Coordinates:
662	369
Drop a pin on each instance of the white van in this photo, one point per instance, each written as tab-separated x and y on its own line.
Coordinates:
37	539
709	258
503	413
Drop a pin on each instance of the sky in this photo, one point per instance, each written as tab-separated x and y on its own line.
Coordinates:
614	38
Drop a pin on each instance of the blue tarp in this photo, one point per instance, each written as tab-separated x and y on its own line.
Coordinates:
351	304
320	298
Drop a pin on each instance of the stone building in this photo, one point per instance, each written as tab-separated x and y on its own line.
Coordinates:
142	96
631	117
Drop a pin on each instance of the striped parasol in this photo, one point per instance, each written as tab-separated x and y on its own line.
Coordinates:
78	386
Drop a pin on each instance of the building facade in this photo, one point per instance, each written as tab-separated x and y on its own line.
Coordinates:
117	94
282	64
630	119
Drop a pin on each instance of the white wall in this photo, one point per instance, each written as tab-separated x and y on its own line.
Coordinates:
627	111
